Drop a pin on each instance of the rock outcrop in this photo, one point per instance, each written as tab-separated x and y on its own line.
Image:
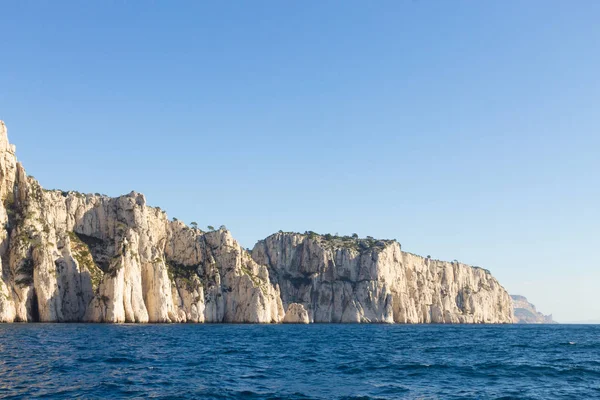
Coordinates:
525	312
345	279
296	314
68	257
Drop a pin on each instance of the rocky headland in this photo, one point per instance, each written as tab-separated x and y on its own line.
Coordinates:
526	313
72	257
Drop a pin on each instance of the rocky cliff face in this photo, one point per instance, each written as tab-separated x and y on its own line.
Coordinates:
344	279
72	257
525	312
67	257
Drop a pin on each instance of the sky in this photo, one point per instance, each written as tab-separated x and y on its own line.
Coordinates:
465	130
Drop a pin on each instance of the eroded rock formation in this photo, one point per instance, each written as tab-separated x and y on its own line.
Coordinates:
345	279
67	256
296	314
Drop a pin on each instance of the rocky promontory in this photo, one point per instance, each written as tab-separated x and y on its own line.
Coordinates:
347	279
71	257
526	313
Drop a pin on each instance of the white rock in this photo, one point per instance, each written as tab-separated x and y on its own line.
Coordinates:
75	257
296	314
367	281
147	268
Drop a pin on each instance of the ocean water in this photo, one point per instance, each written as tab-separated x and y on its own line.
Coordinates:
299	361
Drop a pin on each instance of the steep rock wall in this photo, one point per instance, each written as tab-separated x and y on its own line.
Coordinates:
67	256
72	257
365	280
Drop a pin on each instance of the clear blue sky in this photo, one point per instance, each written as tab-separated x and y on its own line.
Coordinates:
467	130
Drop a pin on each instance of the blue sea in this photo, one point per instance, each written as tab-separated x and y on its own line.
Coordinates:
58	361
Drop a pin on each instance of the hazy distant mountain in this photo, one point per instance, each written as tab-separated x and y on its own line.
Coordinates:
525	312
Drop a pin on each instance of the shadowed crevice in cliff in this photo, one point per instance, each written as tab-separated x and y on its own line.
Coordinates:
96	247
35	311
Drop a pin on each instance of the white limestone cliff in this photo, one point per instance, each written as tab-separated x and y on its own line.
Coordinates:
344	279
68	257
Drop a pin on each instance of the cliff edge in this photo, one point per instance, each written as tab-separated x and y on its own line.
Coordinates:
347	279
71	257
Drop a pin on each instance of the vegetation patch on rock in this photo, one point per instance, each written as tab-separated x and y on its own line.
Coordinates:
181	272
83	255
353	242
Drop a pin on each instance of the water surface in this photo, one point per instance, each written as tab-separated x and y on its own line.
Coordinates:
299	361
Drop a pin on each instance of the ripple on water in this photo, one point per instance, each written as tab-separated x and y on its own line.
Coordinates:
299	362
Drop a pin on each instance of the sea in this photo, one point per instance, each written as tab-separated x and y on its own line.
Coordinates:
319	361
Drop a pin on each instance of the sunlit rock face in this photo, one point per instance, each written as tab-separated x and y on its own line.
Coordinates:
296	314
68	257
345	279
